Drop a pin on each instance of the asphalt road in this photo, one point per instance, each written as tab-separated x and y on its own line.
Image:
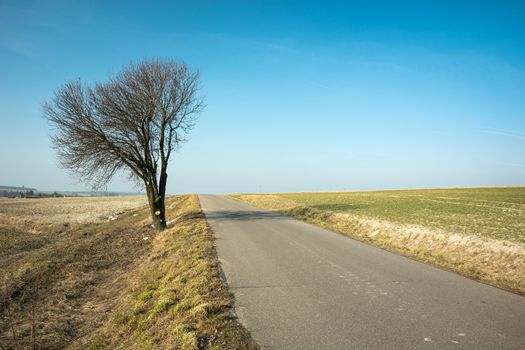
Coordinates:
297	286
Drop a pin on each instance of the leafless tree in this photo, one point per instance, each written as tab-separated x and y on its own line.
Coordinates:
133	122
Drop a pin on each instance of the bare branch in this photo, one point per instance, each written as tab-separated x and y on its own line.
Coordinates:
132	122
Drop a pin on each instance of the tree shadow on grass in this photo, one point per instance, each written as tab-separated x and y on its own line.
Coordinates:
340	207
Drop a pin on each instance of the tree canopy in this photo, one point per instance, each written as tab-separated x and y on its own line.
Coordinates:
133	122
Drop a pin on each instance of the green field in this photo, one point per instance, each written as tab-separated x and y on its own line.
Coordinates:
477	232
489	212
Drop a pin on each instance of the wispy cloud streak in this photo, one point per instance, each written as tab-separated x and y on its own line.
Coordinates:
504	133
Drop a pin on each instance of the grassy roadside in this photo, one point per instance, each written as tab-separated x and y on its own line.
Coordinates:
112	282
494	261
495	213
177	299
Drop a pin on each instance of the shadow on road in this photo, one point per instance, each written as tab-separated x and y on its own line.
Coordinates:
242	215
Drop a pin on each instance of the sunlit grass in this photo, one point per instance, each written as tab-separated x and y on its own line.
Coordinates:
177	299
478	232
497	213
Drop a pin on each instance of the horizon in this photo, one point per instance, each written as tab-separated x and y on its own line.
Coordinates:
301	97
270	193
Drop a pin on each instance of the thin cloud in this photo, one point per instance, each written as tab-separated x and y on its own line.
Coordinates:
18	25
516	165
27	17
272	46
504	133
252	43
376	64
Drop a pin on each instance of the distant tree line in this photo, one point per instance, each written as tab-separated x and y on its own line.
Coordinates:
29	194
36	194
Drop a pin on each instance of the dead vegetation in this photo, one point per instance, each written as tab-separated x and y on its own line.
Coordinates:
81	284
495	261
177	299
70	273
70	210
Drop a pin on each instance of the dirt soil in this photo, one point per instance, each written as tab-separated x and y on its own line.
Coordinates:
62	278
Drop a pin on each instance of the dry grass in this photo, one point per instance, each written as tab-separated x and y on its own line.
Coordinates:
177	299
27	224
496	261
71	273
81	273
69	210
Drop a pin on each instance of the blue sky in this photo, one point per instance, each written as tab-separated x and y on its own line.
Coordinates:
301	96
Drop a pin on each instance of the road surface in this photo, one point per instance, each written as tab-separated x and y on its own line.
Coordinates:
298	286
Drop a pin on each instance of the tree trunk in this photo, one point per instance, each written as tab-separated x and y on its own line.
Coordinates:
157	207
